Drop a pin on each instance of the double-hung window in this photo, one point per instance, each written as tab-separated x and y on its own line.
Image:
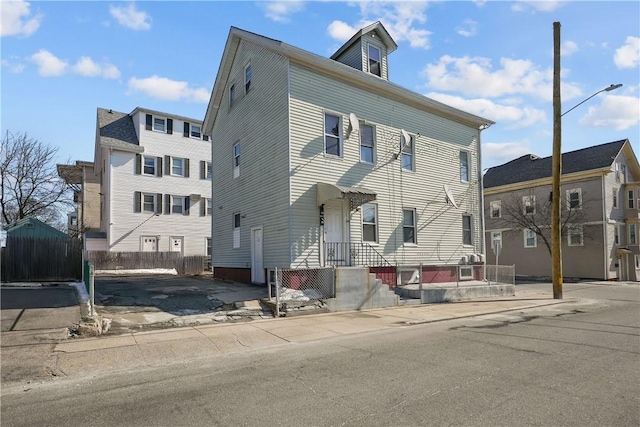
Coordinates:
407	153
467	235
496	209
631	199
247	78
160	124
207	248
209	206
367	144
530	239
370	223
633	234
574	199
236	230
409	226
529	205
149	202
332	135
177	166
614	193
196	131
149	166
178	204
616	235
375	63
236	160
575	236
464	166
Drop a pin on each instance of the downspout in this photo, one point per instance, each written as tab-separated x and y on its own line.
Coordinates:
290	219
483	240
605	242
109	197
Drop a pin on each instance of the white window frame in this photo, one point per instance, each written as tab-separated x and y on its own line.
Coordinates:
468	231
379	60
411	154
573	232
633	237
411	226
143	201
369	223
236	160
144	165
529	201
178	205
193	133
208	206
615	197
247	81
207	246
331	134
568	195
617	169
373	143
495	205
623	173
464	166
174	165
237	223
208	172
631	199
533	235
156	124
616	234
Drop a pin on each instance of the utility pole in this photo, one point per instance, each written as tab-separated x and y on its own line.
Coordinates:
556	238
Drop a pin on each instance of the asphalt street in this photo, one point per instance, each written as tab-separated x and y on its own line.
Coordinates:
567	364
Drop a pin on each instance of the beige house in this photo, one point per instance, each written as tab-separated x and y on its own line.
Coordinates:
600	196
86	195
324	161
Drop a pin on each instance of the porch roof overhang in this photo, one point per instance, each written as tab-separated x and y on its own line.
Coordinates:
622	251
357	196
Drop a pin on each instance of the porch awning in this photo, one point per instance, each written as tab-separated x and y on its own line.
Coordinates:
357	196
622	251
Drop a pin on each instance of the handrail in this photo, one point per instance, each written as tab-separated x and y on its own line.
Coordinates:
346	254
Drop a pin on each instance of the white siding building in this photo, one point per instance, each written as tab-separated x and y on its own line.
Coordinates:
323	161
155	175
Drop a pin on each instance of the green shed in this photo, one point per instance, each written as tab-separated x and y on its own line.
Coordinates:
32	227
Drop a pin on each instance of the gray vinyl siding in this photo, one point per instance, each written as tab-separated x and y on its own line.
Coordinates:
353	56
258	121
437	163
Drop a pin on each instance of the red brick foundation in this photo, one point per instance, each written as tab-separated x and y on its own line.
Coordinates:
242	275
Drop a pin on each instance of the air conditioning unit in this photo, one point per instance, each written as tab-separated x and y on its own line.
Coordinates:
473	258
464	259
481	258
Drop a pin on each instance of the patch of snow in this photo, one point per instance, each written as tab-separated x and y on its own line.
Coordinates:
171	271
287	294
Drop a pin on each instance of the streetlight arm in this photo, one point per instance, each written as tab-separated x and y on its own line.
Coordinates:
607	89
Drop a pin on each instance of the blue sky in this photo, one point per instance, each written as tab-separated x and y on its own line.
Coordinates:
63	60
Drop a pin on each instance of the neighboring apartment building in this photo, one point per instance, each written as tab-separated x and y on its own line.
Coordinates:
323	161
86	196
600	191
154	171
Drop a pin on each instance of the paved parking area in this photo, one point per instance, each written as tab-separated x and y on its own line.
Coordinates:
37	308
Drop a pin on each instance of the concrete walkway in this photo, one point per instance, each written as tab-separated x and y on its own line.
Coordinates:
164	347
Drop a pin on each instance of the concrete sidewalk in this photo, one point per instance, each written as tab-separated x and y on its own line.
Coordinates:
168	346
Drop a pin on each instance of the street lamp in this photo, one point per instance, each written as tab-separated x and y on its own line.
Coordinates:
556	168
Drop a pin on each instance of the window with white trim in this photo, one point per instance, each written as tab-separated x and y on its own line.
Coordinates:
209	206
631	199
178	166
236	230
409	226
247	78
236	160
496	209
207	246
178	204
407	152
633	234
195	131
375	61
614	194
149	202
367	143
574	198
617	168
529	204
464	166
623	173
530	239
208	173
467	235
616	234
575	236
332	135
370	223
149	165
158	124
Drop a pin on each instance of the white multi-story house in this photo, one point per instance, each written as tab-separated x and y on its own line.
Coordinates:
155	182
323	161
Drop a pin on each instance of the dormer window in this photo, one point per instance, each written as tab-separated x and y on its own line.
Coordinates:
375	66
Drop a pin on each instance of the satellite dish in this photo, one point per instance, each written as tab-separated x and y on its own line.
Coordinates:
354	124
450	198
407	138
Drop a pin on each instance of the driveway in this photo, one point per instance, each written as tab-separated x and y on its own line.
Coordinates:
160	301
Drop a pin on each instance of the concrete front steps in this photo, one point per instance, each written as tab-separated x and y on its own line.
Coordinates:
357	289
449	292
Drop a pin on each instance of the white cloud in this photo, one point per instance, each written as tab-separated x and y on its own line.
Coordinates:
110	72
87	67
48	64
15	19
164	88
496	153
475	77
618	112
14	67
468	28
399	18
569	48
280	11
130	17
537	5
628	56
519	117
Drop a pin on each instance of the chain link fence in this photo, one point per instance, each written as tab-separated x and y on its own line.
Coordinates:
501	274
301	287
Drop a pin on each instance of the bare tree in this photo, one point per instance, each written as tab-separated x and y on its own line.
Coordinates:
30	185
531	212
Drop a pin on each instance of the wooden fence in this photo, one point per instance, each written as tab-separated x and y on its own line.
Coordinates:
31	259
188	265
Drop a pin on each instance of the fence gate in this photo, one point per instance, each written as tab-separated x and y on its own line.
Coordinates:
30	259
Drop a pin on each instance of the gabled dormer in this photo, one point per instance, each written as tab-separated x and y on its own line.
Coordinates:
367	50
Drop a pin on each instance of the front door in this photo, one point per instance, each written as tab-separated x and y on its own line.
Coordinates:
257	267
335	249
176	244
149	244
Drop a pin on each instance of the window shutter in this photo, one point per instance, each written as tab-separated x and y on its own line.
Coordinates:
203	206
185	133
137	198
167	204
138	165
149	122
159	166
205	137
169	126
203	169
167	165
158	203
187	205
186	168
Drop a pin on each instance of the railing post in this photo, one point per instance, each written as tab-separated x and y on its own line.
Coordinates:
458	276
277	293
420	287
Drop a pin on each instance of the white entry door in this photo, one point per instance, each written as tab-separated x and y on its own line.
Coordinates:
335	249
177	244
149	244
257	266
